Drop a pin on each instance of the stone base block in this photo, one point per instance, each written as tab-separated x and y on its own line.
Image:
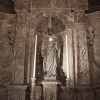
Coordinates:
16	92
50	90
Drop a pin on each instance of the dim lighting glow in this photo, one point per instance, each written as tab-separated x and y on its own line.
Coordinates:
50	39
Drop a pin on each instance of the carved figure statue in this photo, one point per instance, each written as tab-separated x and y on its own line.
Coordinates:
50	52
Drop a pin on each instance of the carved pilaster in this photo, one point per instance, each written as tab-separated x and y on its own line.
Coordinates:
19	52
7	33
16	92
82	62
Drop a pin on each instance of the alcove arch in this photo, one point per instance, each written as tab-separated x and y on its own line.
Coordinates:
40	28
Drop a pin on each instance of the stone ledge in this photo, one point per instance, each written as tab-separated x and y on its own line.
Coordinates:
16	88
84	89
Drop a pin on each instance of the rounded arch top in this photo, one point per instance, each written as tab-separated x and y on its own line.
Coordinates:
59	22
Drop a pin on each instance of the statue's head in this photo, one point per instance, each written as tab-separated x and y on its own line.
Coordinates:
50	31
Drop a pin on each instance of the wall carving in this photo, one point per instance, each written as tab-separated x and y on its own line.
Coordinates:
94	22
80	17
83	77
7	38
83	67
5	77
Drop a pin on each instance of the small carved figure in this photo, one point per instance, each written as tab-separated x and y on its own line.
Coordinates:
11	37
90	35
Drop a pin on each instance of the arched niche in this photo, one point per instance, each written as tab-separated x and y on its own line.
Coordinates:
60	29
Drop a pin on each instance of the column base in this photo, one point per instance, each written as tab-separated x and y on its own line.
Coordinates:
16	92
33	82
68	82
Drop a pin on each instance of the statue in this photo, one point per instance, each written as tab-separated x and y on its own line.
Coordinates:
50	52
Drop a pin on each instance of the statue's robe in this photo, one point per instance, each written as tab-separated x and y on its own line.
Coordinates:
50	51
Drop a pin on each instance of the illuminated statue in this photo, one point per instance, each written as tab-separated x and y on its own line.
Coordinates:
50	52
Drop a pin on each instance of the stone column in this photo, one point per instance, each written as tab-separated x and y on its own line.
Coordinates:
17	90
82	75
19	53
82	62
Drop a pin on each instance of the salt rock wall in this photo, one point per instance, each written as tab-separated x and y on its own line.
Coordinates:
94	20
7	32
94	51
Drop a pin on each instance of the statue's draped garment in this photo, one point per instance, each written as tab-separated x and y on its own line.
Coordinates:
50	52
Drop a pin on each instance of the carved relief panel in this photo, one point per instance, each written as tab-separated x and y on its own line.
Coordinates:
94	57
82	68
7	40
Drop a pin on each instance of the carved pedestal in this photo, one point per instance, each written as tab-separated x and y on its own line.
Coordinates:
16	92
50	90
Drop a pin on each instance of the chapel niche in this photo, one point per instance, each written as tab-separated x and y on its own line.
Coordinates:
25	79
58	28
